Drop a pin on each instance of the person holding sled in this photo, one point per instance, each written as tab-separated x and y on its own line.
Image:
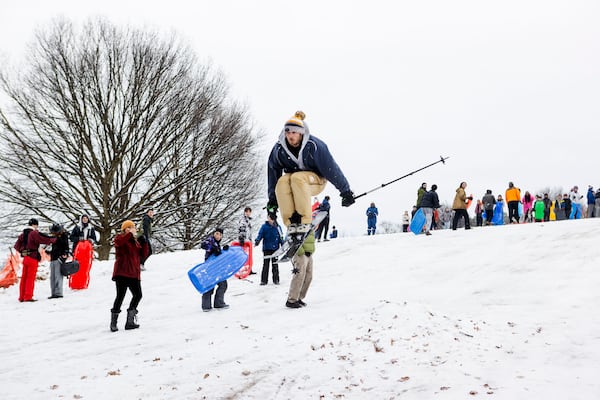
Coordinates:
299	167
28	244
460	206
272	237
429	203
245	230
212	245
84	230
127	274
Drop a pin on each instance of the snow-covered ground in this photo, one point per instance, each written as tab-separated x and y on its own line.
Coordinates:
499	312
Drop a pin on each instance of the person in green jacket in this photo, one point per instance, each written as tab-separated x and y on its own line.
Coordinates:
302	273
539	208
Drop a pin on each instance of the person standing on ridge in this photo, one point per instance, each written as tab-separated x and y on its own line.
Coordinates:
245	230
323	225
513	198
299	166
460	206
429	203
489	202
420	192
372	214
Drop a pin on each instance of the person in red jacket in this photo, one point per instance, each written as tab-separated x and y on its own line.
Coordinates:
28	244
126	274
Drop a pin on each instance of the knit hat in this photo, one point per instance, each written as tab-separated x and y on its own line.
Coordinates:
296	123
220	230
434	187
33	222
127	224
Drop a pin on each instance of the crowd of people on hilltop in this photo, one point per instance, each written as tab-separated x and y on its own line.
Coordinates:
490	209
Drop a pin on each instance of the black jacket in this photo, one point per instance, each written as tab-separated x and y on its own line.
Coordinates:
430	200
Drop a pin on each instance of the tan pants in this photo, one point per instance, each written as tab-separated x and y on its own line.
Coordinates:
294	192
300	281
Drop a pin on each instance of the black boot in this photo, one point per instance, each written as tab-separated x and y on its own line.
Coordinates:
130	324
113	320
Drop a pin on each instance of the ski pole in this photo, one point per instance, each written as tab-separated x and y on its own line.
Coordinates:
441	160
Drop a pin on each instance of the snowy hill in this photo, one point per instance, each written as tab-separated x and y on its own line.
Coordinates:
500	312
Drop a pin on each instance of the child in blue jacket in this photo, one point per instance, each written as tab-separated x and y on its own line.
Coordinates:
272	238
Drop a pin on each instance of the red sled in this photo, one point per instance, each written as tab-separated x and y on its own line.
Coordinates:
8	276
247	268
84	253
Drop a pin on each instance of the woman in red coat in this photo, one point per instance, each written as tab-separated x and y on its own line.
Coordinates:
126	274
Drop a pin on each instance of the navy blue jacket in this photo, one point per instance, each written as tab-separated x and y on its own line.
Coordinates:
211	246
591	198
314	156
270	235
325	206
430	200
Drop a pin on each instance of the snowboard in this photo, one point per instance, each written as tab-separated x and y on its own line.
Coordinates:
215	269
418	222
84	253
293	242
247	267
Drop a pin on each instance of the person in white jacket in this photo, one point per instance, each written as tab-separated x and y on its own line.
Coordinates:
576	201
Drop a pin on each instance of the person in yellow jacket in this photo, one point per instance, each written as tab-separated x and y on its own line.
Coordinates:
513	198
460	206
302	273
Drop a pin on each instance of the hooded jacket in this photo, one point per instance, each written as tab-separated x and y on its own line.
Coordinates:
313	156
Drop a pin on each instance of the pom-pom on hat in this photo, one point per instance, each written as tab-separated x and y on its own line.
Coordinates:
296	123
127	224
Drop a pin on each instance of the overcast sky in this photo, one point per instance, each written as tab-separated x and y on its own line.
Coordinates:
510	91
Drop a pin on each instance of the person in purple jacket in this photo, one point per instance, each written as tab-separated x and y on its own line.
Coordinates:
299	167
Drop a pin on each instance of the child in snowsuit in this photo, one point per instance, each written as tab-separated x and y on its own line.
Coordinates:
271	236
212	245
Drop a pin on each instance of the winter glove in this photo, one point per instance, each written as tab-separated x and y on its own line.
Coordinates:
272	205
256	244
242	240
217	252
226	247
347	198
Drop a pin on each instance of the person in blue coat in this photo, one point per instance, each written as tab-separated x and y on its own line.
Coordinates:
372	214
299	167
272	238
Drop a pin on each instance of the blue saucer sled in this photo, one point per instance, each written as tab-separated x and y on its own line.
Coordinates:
206	275
418	222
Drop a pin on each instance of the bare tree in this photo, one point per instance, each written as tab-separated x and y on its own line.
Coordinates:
110	121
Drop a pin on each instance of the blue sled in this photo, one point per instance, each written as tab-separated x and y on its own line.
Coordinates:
418	222
206	275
